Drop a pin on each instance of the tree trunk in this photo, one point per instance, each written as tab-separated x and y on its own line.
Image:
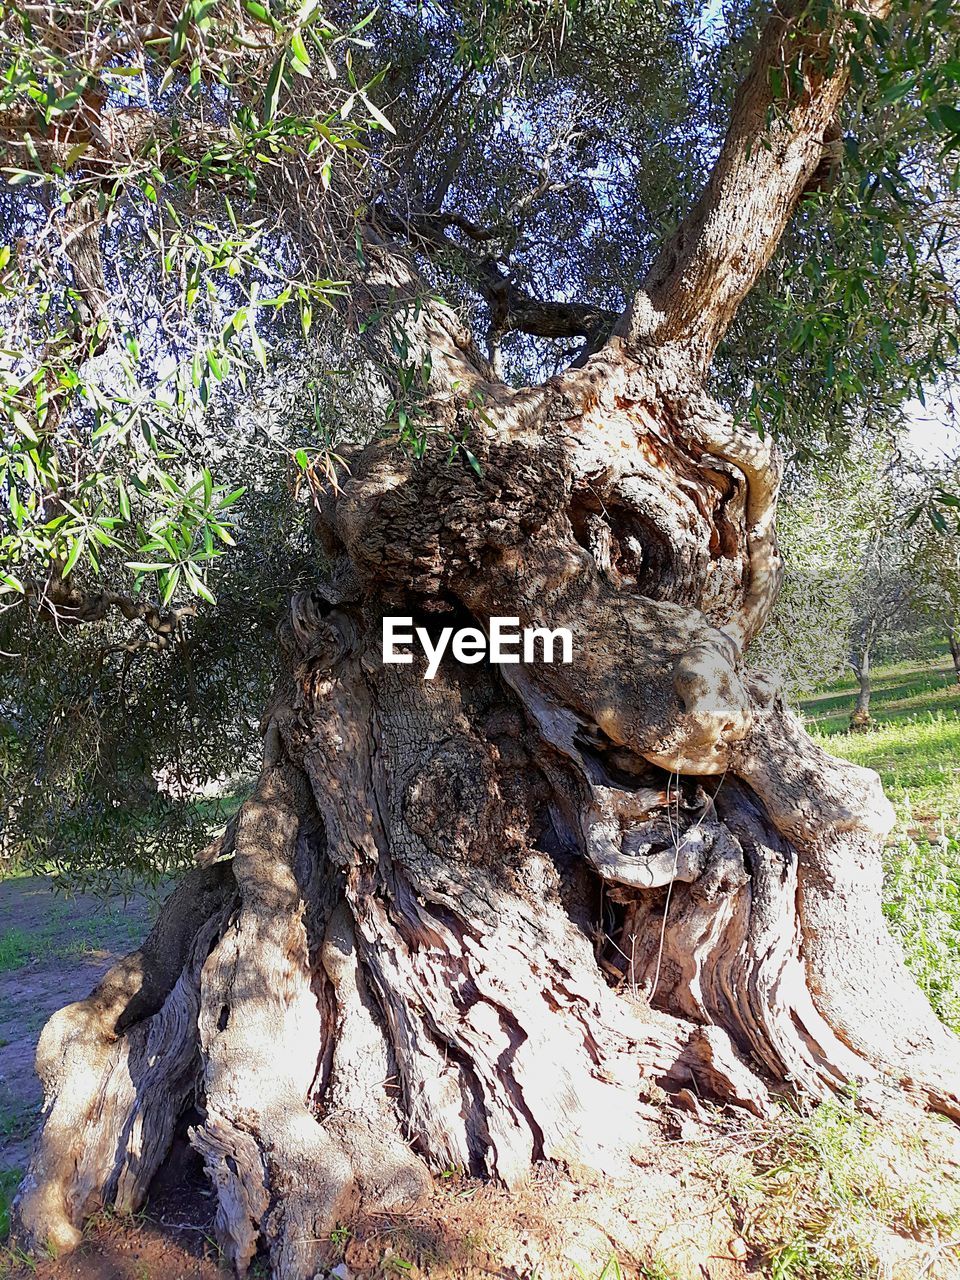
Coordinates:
953	639
514	913
860	719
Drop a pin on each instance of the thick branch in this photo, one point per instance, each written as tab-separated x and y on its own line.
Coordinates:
772	148
81	244
511	306
67	605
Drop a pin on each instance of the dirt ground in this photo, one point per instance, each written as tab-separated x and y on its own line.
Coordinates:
53	949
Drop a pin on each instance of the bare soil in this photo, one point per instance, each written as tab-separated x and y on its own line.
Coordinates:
56	949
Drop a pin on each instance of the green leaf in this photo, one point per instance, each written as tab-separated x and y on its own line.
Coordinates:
257	10
299	49
24	427
259	350
170	586
72	557
20	176
272	95
472	459
378	115
198	586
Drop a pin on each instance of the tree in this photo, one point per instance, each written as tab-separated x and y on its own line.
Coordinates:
390	960
824	527
935	560
885	602
882	607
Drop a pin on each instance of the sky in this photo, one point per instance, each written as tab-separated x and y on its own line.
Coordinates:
934	428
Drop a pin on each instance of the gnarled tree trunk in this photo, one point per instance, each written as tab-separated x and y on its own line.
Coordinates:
504	915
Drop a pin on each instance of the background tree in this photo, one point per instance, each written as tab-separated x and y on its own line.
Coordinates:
885	606
935	562
825	523
397	956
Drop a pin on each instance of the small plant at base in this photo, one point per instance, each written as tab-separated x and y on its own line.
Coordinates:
655	1269
340	1237
611	1269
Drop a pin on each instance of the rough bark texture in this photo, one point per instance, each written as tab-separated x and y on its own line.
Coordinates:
514	913
504	915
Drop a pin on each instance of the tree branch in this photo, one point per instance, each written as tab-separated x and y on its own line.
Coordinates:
773	147
67	605
96	143
512	308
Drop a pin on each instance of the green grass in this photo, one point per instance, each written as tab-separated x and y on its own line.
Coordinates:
914	745
16	1120
819	1196
14	949
64	937
9	1181
915	742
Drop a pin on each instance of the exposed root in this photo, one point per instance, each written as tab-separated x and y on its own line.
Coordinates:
116	1069
284	1177
836	817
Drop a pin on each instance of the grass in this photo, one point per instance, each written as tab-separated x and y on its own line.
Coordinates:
914	745
16	1121
915	742
828	1195
922	906
14	949
9	1181
64	937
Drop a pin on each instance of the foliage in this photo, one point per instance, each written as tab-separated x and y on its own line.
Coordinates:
935	545
861	288
849	581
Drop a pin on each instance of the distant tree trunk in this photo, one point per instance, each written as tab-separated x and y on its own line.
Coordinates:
953	639
860	719
512	914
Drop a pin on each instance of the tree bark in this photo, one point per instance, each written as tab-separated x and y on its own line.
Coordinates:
953	640
507	914
510	914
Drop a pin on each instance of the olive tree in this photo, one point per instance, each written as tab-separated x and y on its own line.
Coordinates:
501	268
